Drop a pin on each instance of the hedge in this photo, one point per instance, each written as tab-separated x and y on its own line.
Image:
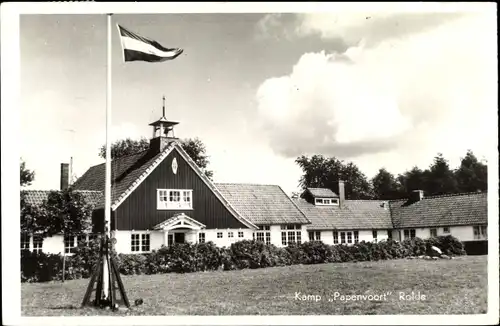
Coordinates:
187	258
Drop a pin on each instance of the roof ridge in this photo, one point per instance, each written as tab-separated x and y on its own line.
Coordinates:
245	183
443	196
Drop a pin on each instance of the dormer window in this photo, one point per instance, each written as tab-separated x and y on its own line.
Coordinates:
326	201
175	199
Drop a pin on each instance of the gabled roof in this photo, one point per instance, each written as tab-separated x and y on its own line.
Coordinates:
322	193
354	215
128	172
262	204
37	197
446	210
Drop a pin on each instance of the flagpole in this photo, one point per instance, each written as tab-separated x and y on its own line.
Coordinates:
107	191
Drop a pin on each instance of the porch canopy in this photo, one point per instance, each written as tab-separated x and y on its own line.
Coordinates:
179	221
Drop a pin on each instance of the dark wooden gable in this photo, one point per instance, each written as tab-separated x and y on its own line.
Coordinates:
139	210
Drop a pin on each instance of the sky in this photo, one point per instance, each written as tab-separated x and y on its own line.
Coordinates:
380	88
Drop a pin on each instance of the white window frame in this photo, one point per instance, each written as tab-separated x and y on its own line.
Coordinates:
409	234
326	201
68	250
446	230
291	233
263	235
230	234
220	235
165	199
375	236
141	246
480	232
240	234
314	235
201	237
435	232
335	237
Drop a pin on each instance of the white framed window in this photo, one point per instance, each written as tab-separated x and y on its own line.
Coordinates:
434	232
25	242
347	237
230	234
375	234
409	234
70	244
293	234
314	235
335	237
446	229
73	241
135	242
140	242
37	243
326	201
219	235
480	232
201	237
240	234
174	199
263	235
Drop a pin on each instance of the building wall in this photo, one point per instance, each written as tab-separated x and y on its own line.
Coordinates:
462	233
364	235
139	211
53	245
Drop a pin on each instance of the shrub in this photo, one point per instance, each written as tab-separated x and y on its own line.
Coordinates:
185	258
316	252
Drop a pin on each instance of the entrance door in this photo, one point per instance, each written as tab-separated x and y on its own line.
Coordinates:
179	237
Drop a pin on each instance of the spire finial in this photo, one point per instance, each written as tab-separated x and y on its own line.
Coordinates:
164	106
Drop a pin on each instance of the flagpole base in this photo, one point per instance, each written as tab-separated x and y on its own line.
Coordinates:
113	280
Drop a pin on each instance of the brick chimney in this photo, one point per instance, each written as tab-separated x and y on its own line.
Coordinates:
64	182
341	193
417	195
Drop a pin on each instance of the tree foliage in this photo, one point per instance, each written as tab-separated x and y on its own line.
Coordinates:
472	175
194	147
64	211
386	186
124	147
196	150
26	176
323	172
439	178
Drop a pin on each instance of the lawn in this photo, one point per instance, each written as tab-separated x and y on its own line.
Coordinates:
457	286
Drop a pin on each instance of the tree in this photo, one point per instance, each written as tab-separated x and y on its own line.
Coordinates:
195	148
321	172
125	147
441	177
385	186
472	175
65	212
197	152
415	179
27	176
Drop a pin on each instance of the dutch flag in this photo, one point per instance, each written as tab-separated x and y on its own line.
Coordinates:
139	48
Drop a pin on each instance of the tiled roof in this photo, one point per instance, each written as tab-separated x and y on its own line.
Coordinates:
322	192
447	210
354	214
262	204
125	172
37	197
129	171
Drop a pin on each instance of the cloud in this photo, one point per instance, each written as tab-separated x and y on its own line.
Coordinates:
431	84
